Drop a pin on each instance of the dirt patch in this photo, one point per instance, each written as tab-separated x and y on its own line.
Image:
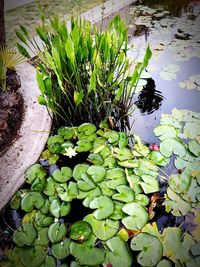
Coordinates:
11	110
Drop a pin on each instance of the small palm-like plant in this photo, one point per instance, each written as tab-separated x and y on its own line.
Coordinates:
9	59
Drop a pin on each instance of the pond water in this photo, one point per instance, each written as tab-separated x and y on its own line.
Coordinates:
171	28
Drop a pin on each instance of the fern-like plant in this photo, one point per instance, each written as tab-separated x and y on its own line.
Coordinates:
9	59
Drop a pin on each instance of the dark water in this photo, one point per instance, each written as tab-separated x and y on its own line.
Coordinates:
151	103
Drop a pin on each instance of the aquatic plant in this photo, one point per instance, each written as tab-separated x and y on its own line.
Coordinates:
116	183
83	73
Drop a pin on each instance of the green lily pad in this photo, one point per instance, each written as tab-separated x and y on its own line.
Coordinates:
125	194
35	171
50	187
142	199
110	163
67	193
115	173
56	232
92	193
165	131
150	247
80	231
106	191
43	220
66	132
175	247
168	76
129	163
33	256
79	169
164	263
194	147
104	206
122	154
25	235
84	145
89	256
61	250
105	152
87	128
49	262
32	200
191	130
123	139
175	204
133	181
137	218
97	173
86	184
38	185
149	184
172	145
158	159
42	238
117	213
118	254
59	209
62	175
95	159
112	136
54	144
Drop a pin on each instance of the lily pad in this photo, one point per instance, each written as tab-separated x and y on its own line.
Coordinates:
175	247
165	131
104	206
158	159
67	193
43	220
83	145
150	247
32	200
35	171
125	194
33	256
62	175
42	238
137	218
25	235
59	209
89	256
87	128
172	146
49	262
112	136
122	154
175	204
56	232
118	254
79	169
86	183
80	231
97	173
149	184
66	132
95	159
61	250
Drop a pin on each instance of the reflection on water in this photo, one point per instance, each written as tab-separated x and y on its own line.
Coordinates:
149	98
175	7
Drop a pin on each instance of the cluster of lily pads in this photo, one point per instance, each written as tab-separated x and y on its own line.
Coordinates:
183	192
113	181
192	83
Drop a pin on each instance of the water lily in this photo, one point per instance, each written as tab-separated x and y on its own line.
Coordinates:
70	152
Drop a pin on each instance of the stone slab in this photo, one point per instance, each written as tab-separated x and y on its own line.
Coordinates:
32	138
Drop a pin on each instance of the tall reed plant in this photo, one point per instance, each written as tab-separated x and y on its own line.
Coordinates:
84	72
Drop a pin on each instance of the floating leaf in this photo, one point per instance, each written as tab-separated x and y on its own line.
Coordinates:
32	200
150	247
25	235
61	250
194	147
33	256
104	206
67	193
35	171
165	131
58	209
158	159
87	128
122	154
89	256
175	204
149	184
62	175
112	136
49	262
174	248
79	169
172	145
125	194
56	232
80	231
83	145
137	218
42	238
97	173
118	254
164	263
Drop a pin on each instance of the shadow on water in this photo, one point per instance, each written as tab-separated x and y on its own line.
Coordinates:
149	98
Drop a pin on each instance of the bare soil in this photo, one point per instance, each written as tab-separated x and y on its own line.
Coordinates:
11	111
